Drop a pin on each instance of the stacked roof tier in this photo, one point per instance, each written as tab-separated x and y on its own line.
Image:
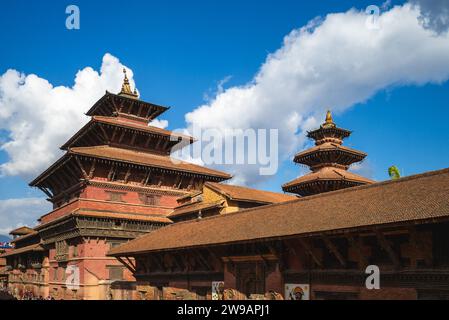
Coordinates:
328	161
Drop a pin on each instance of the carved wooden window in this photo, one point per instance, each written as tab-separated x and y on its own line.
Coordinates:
150	199
62	250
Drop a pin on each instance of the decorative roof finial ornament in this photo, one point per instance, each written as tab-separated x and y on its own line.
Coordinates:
329	123
126	88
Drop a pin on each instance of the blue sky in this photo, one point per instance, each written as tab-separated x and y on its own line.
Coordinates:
180	51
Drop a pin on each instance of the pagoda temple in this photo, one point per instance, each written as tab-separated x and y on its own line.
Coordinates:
328	161
115	182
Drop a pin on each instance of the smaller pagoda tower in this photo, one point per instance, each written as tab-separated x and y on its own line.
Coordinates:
328	161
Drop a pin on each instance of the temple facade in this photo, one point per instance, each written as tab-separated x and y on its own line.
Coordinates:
115	182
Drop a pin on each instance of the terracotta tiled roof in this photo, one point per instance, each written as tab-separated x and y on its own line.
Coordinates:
329	146
105	106
30	248
194	207
415	199
25	236
250	195
123	122
328	173
189	195
146	159
21	231
138	126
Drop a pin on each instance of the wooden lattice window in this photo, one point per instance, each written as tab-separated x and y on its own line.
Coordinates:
150	199
62	250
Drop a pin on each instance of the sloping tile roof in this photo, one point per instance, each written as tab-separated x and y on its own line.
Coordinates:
21	230
194	207
328	146
146	159
122	122
247	194
25	236
328	173
33	247
413	199
143	127
104	102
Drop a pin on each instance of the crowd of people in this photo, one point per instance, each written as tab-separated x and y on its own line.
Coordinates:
7	294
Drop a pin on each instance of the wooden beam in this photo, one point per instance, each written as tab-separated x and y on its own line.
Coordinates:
121	136
309	250
180	182
161	179
385	244
129	267
133	138
147	178
164	147
92	169
147	143
44	190
333	248
155	259
202	259
356	244
114	133
85	175
158	144
111	172
140	109
114	104
127	175
105	134
73	170
131	263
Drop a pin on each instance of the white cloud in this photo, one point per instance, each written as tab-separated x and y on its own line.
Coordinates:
159	123
18	212
40	117
334	62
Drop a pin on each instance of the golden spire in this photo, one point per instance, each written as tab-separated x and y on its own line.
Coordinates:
126	88
329	121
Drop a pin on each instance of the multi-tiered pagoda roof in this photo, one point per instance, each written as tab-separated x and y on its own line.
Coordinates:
328	161
118	146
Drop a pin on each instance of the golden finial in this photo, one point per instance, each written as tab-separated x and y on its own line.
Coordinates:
126	88
329	121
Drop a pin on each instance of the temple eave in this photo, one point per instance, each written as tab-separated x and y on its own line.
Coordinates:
320	186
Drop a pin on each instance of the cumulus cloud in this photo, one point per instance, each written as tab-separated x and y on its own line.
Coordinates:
434	14
333	62
39	117
159	123
18	212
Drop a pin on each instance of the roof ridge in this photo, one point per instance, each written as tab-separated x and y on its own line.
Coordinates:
245	187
